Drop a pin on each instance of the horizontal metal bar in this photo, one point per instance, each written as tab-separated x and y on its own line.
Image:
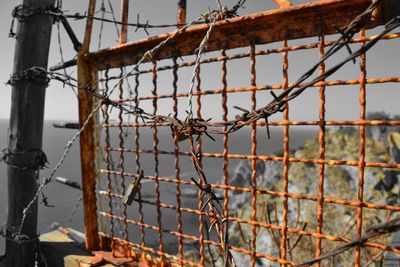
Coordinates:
264	52
63	65
66	125
295	22
331	162
264	225
266	87
69	183
145	249
278	123
194	238
76	236
343	202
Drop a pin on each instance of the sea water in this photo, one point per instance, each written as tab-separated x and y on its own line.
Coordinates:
66	200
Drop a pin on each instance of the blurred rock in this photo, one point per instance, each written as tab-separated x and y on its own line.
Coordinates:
341	182
394	146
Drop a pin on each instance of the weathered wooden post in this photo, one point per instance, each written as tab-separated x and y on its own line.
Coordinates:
24	156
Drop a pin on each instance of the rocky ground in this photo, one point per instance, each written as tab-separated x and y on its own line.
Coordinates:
341	182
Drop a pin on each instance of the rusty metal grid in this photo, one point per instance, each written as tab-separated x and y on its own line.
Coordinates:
128	144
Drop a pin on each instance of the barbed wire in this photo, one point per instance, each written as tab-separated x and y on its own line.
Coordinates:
33	159
60	49
196	126
192	126
23	12
215	210
45	75
17	236
200	50
75	208
279	102
42	76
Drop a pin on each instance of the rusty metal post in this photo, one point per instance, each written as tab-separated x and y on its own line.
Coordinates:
87	79
181	13
124	19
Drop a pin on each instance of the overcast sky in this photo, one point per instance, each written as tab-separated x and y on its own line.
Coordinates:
61	103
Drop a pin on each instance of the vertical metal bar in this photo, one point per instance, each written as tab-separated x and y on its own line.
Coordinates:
137	158
87	79
361	162
123	36
89	27
321	167
199	150
225	151
253	161
181	13
108	160
156	163
285	156
177	166
121	164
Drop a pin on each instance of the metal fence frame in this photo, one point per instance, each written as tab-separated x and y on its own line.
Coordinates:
293	22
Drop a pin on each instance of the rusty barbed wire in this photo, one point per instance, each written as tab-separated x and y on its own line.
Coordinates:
195	126
279	102
45	75
215	210
198	126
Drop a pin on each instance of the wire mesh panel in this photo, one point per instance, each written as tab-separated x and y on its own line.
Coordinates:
226	159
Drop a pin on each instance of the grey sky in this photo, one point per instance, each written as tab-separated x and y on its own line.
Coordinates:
342	102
